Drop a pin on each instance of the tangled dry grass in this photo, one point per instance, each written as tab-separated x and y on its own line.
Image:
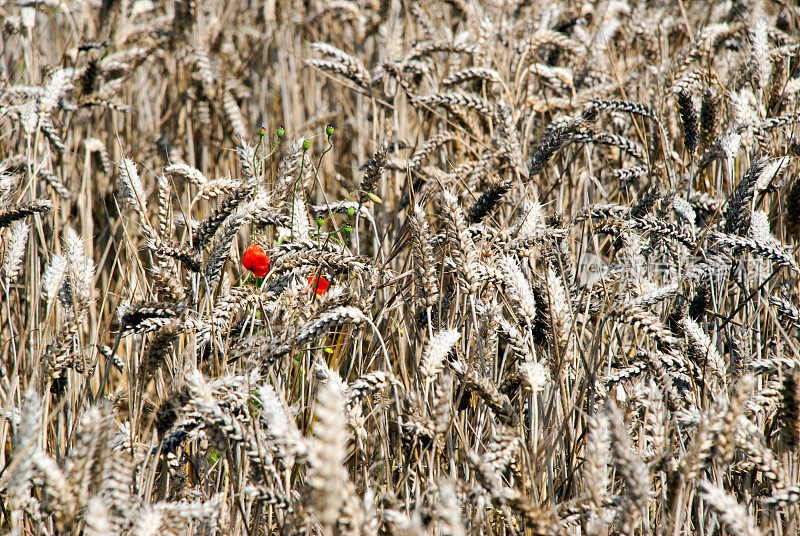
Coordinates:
560	240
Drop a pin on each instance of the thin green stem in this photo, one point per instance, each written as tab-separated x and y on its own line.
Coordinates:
294	190
319	164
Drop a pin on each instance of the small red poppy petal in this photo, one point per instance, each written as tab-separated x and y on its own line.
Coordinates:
320	284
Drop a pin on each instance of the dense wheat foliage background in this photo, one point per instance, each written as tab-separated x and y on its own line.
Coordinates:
533	267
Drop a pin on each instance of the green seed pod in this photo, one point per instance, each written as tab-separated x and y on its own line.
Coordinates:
281	132
306	144
347	230
329	130
320	222
262	132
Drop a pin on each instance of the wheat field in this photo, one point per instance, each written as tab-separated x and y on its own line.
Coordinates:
491	267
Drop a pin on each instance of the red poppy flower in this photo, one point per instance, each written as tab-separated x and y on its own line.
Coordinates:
320	284
255	260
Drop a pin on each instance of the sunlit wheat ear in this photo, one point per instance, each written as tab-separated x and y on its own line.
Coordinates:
80	269
596	470
234	116
172	518
472	73
435	353
461	243
58	493
15	250
209	226
89	454
760	49
318	326
281	427
614	105
633	471
452	521
225	309
157	352
301	225
474	381
561	316
59	83
456	100
97	518
24	440
373	171
518	288
328	482
341	63
186	173
424	262
428	148
53	181
769	250
130	188
143	317
246	154
288	168
222	245
786	310
730	513
703	349
442	45
164	207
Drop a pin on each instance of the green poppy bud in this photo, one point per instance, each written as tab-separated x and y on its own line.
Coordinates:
351	211
262	132
281	132
306	144
347	230
320	222
329	130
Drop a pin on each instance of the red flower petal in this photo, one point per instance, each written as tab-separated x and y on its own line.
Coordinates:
255	260
320	284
